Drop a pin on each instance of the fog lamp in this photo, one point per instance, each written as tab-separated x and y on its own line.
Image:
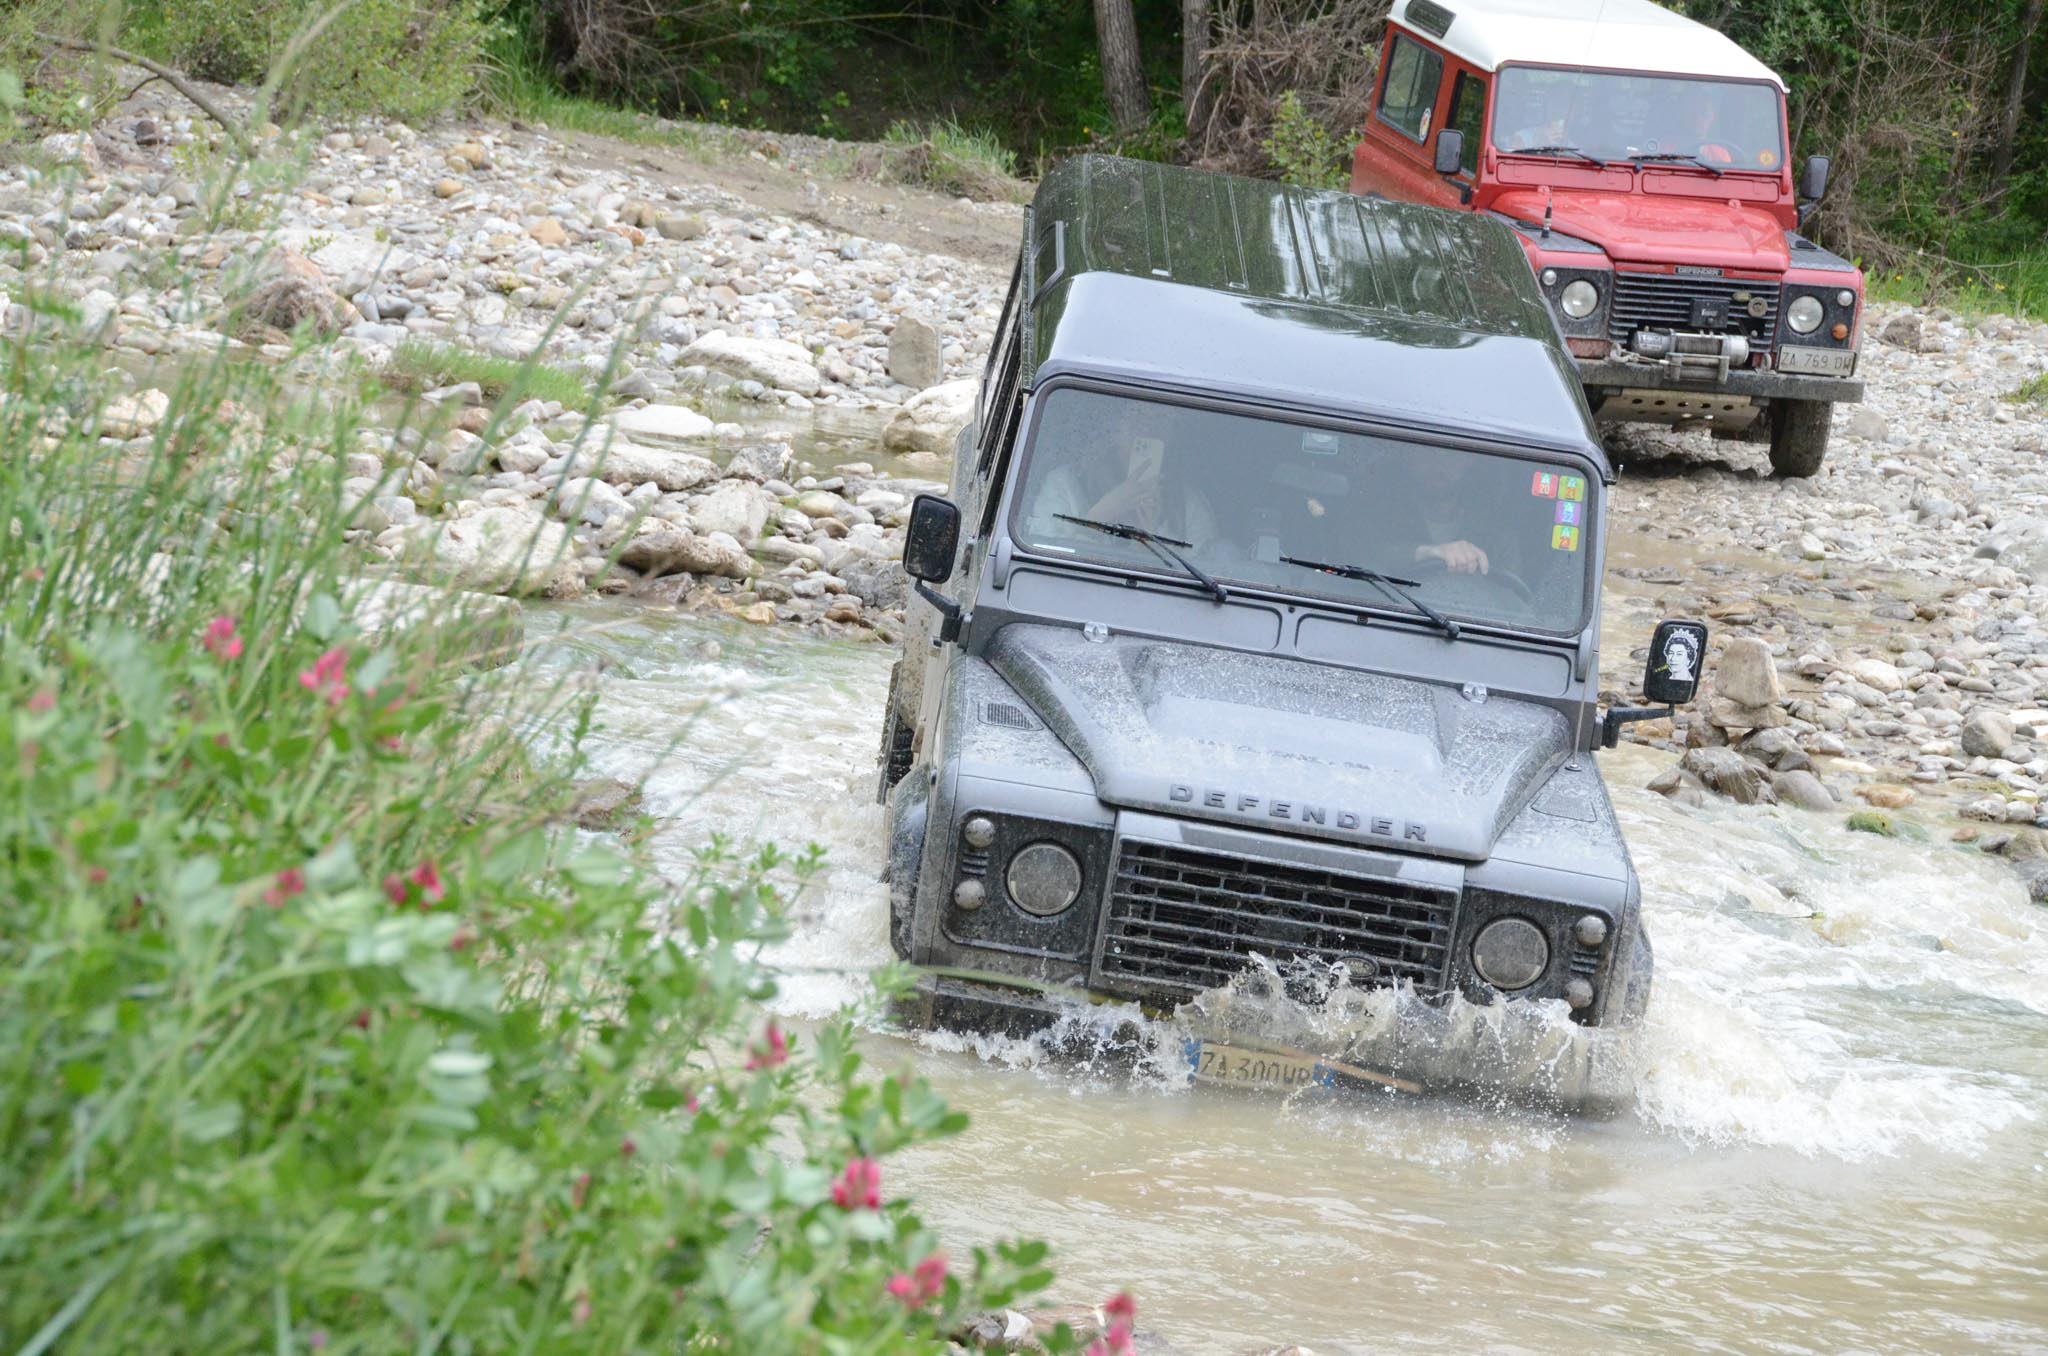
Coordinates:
1548	277
979	832
1591	930
1044	879
1579	299
1579	994
1805	315
1845	299
970	895
1510	953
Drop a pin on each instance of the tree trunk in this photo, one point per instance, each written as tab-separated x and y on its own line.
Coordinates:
2015	98
1194	44
1123	74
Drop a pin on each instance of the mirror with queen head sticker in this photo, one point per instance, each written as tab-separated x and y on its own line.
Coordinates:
1672	674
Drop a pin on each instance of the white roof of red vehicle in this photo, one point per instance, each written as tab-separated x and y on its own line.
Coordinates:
1622	35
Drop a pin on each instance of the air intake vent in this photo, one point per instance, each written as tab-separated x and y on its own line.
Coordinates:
1008	715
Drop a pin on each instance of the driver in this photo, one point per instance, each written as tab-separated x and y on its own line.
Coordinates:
1544	113
1116	479
1699	116
1452	503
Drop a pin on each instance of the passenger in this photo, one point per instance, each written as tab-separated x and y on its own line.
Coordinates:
1543	112
1117	479
1700	116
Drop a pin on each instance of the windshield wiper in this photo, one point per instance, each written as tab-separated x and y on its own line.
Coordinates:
1393	587
1158	546
1680	157
1560	150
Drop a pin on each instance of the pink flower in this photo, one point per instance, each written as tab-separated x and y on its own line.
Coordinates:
860	1186
96	876
580	1315
328	677
42	700
317	1339
1121	1312
930	1275
627	1148
902	1288
394	889
429	880
220	639
772	1052
291	883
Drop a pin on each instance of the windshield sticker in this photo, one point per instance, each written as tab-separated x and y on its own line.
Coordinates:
1564	539
1572	487
1544	486
1570	514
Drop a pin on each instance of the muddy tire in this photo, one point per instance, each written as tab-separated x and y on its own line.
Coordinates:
1799	436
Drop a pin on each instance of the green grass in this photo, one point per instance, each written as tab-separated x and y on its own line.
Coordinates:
946	156
419	366
2033	391
2015	286
515	86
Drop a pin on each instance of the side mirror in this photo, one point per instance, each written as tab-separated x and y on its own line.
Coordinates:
1670	678
1813	179
1672	675
1450	152
932	542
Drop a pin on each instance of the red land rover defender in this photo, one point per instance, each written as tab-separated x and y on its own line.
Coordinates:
1642	160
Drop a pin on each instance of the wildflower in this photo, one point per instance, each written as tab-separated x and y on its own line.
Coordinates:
429	880
317	1339
773	1050
1120	1312
930	1275
361	1020
627	1148
580	1315
461	940
328	677
96	876
903	1289
394	888
860	1186
220	639
291	883
580	1192
42	701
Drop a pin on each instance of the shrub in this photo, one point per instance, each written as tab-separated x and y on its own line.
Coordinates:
319	1034
405	58
946	156
1302	150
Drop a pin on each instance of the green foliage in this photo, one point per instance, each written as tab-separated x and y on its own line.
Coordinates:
1303	151
946	156
418	366
319	1033
2033	391
402	58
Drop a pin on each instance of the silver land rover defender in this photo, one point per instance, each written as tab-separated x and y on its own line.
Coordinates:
1262	621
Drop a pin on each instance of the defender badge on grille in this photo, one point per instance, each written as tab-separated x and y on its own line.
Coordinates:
1243	805
1696	271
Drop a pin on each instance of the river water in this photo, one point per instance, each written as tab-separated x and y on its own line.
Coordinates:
1839	1139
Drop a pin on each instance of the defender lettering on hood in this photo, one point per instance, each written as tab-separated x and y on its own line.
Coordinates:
1247	806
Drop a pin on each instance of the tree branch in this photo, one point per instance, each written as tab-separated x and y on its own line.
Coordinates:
165	73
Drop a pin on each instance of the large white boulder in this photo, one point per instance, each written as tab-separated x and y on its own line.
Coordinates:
663	423
772	362
931	420
503	549
738	508
631	464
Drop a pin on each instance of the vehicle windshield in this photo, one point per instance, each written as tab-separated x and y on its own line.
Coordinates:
1725	124
1263	502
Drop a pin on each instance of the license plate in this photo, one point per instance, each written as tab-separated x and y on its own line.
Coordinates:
1239	1067
1819	362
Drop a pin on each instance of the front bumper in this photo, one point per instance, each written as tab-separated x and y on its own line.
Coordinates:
1750	383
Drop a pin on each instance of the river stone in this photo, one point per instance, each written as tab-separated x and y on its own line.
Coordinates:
931	420
659	548
1677	784
738	508
1745	674
134	415
1735	716
1988	734
878	583
761	461
2033	877
632	464
591	500
502	549
914	353
1867	423
1875	673
1727	773
679	226
1803	789
773	362
671	423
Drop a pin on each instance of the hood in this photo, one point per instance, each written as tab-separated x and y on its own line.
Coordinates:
1652	229
1284	746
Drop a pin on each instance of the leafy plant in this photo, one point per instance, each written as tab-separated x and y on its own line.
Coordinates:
1303	151
948	157
417	366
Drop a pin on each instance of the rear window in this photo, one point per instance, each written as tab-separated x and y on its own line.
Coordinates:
1414	74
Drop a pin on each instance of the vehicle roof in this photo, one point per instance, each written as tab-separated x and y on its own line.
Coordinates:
1626	35
1297	297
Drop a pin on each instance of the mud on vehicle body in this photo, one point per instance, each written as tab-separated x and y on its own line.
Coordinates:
1262	621
1643	163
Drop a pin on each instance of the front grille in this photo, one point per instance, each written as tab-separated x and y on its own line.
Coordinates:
1185	919
1663	301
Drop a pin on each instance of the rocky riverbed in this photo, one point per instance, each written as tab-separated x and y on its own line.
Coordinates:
781	379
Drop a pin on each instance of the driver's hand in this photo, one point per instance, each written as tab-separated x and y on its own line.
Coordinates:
1459	557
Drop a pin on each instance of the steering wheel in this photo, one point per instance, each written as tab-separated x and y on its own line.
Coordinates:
1433	568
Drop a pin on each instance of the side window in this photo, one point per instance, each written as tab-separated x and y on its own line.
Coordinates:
1006	329
1468	111
1414	74
1000	444
999	391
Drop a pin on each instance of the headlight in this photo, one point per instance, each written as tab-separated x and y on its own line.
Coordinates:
1044	879
1805	315
1510	954
1580	299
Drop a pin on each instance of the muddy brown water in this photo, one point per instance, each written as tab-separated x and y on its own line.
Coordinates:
1839	1139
